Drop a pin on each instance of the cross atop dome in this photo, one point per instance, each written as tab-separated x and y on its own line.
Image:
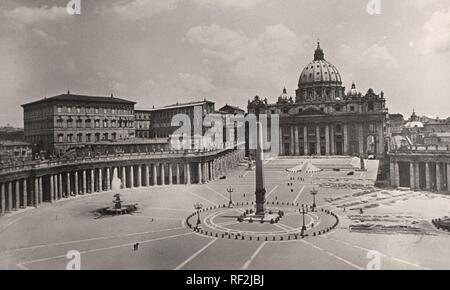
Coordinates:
318	54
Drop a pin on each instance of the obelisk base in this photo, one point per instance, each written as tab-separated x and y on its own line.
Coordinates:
260	202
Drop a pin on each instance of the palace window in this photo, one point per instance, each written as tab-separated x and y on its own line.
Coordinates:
79	123
88	123
105	123
70	138
371	106
88	138
61	138
97	123
352	109
79	138
97	137
69	123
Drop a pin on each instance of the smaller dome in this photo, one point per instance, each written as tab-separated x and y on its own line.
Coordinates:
284	95
353	91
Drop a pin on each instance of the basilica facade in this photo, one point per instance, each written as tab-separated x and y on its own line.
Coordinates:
324	119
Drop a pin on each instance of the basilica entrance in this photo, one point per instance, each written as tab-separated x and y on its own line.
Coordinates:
339	148
312	149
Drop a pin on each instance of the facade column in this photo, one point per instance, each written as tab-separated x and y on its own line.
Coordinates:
139	176
77	182
327	140
108	178
177	172
397	174
163	174
361	139
332	145
10	195
427	176
292	141
188	174
155	175
147	175
305	140
296	143
124	176
25	193
345	139
318	140
92	181
281	141
392	173
438	176
132	176
412	176
17	195
84	182
2	199
170	174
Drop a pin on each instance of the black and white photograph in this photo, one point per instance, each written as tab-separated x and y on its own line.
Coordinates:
234	135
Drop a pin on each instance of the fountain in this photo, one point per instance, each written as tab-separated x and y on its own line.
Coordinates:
119	208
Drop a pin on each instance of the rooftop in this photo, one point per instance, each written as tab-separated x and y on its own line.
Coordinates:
82	98
176	106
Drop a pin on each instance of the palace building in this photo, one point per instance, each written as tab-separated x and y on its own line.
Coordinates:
67	121
324	119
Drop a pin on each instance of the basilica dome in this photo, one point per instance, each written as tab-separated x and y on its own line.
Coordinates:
319	71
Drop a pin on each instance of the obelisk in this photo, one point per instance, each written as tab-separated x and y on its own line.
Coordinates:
260	188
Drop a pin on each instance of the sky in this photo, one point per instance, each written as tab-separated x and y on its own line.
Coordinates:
159	52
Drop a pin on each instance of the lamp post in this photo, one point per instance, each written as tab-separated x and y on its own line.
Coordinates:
198	206
230	190
314	193
302	212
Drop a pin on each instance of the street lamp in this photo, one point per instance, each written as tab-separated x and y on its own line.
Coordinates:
198	206
302	212
230	190
314	193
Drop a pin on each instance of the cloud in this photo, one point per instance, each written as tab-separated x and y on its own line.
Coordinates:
266	60
141	9
34	15
437	33
242	4
375	57
180	86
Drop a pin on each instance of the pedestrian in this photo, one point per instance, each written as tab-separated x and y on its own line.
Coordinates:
137	246
244	194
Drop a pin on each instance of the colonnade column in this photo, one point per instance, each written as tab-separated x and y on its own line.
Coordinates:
296	143
281	141
412	179
77	191
139	176
292	146
108	178
170	174
100	179
147	175
177	170
438	176
131	176
17	194
427	176
25	192
52	188
36	191
199	172
163	174
188	173
60	186
41	191
360	139
417	175
84	185
2	199
155	175
448	176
